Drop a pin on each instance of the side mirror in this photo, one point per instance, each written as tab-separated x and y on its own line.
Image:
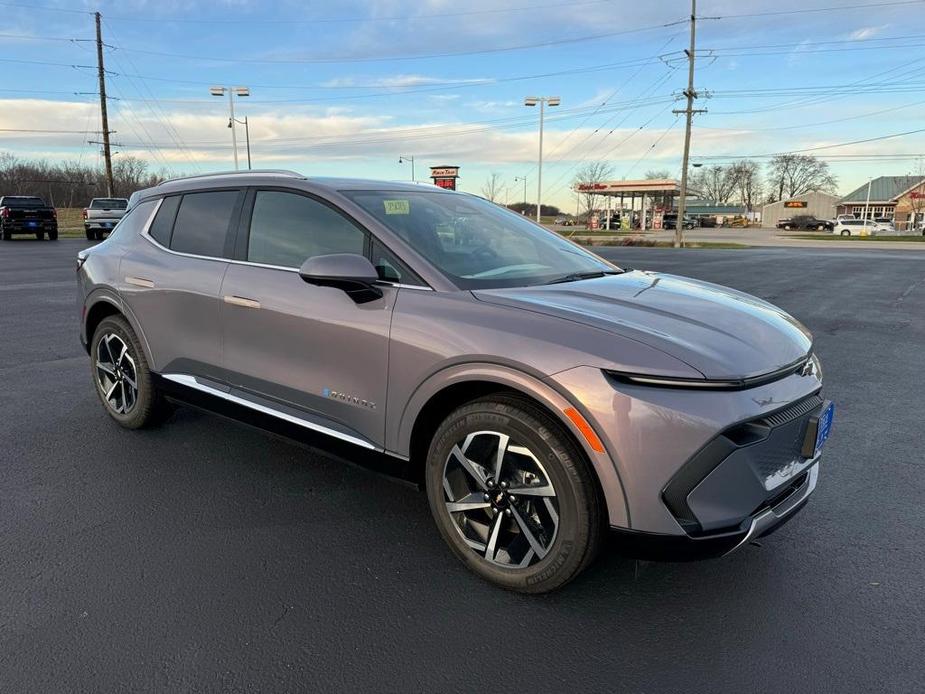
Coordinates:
349	272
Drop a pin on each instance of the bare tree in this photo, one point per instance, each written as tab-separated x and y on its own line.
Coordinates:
794	174
494	187
586	181
714	183
746	177
656	174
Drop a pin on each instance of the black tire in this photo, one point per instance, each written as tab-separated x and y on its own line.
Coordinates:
53	235
149	407
98	235
90	234
6	235
580	526
845	232
40	235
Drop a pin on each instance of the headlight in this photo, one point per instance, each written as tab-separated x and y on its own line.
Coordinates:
804	367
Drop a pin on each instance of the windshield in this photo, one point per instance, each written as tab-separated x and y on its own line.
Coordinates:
475	243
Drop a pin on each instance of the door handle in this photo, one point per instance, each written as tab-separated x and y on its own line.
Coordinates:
241	301
139	282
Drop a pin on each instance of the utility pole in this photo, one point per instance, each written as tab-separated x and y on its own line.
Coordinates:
107	154
689	111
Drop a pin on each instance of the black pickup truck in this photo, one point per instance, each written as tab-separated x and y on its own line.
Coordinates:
805	221
22	214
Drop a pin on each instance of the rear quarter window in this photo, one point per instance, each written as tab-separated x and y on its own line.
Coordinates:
162	226
203	222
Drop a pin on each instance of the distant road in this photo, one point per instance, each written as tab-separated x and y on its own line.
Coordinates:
764	237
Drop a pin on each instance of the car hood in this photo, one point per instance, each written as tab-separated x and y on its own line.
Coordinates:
721	332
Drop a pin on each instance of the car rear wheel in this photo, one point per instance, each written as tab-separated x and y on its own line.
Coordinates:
122	377
53	235
846	233
512	495
786	227
40	236
819	227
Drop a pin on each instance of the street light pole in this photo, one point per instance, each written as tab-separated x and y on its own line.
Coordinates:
524	179
542	101
240	91
402	159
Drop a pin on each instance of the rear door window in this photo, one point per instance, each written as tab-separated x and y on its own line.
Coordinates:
203	222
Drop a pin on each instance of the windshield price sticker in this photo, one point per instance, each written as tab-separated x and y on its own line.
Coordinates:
397	206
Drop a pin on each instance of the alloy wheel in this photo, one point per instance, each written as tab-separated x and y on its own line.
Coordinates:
116	374
500	499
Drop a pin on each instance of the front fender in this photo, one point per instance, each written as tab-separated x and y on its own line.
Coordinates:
541	391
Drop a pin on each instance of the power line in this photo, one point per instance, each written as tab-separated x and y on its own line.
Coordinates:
420	56
810	10
358	20
819	147
54	132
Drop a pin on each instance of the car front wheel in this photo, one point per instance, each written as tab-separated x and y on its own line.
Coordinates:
512	495
846	233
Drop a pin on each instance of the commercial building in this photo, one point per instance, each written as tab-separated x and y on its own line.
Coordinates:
814	203
900	198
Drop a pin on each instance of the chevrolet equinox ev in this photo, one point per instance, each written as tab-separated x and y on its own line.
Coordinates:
541	395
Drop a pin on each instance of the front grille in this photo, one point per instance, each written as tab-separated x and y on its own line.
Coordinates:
790	413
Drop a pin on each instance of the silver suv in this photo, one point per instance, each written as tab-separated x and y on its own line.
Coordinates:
540	394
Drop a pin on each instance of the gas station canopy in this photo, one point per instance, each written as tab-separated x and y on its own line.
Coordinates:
655	187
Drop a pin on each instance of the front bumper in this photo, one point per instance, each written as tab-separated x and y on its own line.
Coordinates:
665	547
702	466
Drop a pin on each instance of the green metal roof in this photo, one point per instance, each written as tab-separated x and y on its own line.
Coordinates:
883	189
706	207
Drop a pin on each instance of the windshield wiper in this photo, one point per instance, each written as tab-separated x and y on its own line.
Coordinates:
589	275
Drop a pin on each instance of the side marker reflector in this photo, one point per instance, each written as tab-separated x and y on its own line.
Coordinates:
585	429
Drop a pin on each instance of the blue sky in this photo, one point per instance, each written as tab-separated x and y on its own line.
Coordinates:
346	88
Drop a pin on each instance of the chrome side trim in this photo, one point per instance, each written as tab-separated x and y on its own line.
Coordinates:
772	516
140	282
191	382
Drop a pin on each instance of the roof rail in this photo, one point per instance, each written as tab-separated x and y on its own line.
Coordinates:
277	172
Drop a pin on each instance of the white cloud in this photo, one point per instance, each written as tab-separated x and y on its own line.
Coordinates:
402	81
866	32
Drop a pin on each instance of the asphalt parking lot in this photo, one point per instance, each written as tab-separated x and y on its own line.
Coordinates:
207	556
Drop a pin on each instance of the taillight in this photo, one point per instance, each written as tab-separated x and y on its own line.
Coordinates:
5	212
85	213
54	213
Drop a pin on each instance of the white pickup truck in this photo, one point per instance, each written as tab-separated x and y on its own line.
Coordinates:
102	215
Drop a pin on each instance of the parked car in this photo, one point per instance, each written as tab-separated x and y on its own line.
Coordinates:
806	222
499	365
857	227
707	222
26	214
670	221
102	214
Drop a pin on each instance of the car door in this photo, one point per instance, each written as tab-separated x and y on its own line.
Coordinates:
299	345
171	281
